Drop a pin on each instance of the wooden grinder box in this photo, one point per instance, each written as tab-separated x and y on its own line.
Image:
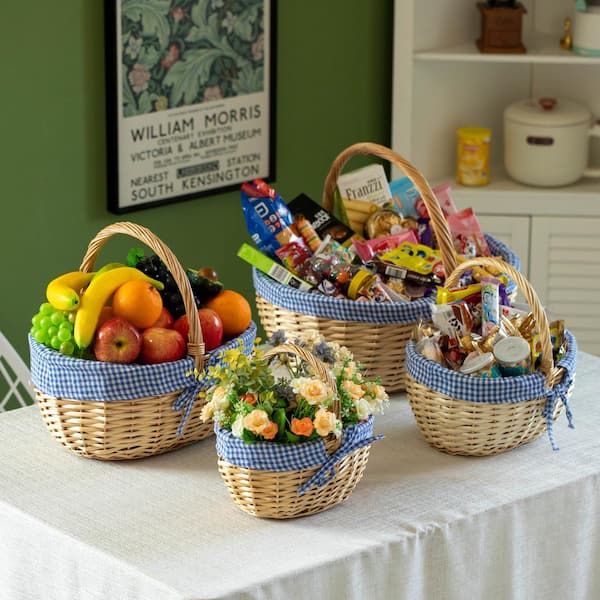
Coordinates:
501	29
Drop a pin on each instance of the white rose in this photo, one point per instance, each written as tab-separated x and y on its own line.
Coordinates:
238	426
363	409
220	399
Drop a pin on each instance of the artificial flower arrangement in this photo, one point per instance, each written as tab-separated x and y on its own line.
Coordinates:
282	399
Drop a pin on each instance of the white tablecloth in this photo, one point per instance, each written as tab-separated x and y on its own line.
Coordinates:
420	524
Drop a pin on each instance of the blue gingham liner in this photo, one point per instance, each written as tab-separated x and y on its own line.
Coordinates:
273	456
500	390
342	309
63	376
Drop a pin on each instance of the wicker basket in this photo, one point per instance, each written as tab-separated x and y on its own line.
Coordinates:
376	333
462	414
330	469
100	410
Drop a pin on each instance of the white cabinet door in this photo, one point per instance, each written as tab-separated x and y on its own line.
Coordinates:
513	231
565	272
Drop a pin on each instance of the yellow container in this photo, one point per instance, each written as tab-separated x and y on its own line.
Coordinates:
473	156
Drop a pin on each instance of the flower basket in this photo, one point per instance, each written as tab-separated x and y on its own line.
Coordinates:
111	411
376	333
473	416
284	480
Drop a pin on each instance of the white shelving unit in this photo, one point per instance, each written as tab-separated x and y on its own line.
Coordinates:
442	82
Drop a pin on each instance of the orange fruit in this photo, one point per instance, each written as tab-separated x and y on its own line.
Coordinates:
234	310
138	302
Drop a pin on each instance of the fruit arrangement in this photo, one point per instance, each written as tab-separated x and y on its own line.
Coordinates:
134	312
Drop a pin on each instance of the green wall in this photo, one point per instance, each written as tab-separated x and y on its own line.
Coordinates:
333	88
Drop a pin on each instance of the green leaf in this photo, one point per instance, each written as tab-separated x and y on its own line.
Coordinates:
292	438
244	23
278	417
153	16
133	257
250	80
129	104
249	437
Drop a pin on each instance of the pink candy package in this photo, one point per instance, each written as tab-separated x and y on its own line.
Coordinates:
467	234
443	196
367	249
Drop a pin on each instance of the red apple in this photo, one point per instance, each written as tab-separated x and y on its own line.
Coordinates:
160	344
165	320
210	323
117	340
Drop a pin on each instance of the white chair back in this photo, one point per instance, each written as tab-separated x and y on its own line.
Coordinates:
15	386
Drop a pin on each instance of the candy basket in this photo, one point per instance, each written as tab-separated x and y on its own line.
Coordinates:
282	480
376	333
111	411
474	416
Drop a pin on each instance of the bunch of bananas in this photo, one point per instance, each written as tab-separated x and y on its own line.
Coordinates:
87	293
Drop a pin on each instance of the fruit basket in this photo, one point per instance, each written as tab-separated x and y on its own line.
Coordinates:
376	333
277	465
112	411
475	416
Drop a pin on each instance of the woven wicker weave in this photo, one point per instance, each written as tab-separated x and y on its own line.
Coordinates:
274	494
459	426
380	348
124	429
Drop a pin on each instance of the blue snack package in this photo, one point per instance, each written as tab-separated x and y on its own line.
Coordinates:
268	219
404	195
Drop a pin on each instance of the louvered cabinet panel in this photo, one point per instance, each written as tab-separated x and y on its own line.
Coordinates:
564	269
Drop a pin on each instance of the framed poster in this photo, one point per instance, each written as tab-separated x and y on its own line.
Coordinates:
190	100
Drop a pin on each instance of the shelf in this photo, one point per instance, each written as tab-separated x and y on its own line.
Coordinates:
541	48
504	196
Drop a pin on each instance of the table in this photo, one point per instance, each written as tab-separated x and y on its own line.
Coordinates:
420	524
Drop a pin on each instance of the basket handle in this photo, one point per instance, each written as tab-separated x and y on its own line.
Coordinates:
553	374
438	221
318	367
195	347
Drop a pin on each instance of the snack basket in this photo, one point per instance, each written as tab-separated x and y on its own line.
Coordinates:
376	333
111	411
474	416
282	481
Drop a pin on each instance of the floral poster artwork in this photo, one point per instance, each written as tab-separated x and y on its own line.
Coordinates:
182	53
189	98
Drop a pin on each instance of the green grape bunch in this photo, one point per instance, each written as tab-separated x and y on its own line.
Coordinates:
54	328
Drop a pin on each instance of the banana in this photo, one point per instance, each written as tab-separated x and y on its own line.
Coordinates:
107	267
63	291
95	296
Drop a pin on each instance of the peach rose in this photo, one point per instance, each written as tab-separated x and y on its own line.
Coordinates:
269	431
324	422
314	391
355	390
256	421
249	398
207	412
302	426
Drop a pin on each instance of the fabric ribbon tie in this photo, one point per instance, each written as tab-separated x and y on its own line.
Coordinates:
185	401
558	392
350	442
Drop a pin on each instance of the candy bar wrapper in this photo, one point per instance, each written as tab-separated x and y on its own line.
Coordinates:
271	268
490	304
268	219
322	221
447	322
467	234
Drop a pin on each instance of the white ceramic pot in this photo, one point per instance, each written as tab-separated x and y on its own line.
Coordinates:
546	141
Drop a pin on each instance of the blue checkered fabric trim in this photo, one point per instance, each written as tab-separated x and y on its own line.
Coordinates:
342	309
501	390
66	377
273	456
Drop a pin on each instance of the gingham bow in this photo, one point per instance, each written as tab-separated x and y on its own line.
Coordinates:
558	392
351	441
185	401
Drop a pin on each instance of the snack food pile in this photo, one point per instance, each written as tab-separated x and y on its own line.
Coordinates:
380	247
477	332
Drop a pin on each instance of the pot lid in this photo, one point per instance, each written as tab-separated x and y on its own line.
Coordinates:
553	112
